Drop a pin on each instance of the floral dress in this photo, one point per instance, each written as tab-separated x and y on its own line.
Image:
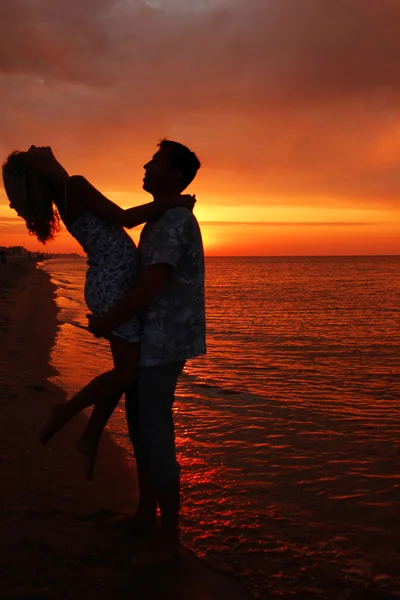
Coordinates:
113	264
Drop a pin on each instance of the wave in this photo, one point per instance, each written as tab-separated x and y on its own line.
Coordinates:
62	281
76	324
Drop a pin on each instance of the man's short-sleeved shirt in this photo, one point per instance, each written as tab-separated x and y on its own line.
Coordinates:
173	328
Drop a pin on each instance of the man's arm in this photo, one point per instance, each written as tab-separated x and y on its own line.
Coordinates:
135	300
167	242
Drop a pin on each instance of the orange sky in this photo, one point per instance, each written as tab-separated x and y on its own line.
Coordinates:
293	108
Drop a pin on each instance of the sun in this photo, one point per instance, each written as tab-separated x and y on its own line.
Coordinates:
211	238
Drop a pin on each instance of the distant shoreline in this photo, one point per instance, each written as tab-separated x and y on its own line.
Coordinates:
270	256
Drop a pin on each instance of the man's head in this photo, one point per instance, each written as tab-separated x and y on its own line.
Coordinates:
172	168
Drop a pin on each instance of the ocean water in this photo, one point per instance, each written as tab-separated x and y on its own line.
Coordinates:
288	430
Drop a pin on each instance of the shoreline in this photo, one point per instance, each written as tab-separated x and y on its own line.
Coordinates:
64	535
25	359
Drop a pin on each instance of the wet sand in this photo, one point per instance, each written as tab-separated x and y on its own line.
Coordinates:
65	538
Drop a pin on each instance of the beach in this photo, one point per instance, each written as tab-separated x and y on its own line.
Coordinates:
287	430
289	447
65	537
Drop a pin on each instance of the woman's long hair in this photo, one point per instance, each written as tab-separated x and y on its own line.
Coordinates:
32	195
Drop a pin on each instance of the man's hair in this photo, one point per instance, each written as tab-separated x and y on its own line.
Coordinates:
182	158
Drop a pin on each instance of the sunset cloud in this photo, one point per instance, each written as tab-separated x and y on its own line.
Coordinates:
286	224
289	102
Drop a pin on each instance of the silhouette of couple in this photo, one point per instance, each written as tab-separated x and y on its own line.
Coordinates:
147	301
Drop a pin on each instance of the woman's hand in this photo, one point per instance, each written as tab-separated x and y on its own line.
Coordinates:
188	201
43	160
180	200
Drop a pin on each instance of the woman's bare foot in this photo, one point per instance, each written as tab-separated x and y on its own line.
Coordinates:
89	454
58	418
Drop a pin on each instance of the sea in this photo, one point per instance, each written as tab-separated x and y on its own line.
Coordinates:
288	430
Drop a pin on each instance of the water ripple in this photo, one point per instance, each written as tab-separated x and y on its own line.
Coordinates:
288	431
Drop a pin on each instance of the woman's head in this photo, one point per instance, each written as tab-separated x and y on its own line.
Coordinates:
31	195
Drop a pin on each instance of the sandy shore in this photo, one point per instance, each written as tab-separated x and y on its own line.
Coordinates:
64	537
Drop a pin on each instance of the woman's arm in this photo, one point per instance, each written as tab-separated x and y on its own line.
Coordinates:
81	193
84	192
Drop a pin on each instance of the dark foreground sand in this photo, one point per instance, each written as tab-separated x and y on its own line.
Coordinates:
60	537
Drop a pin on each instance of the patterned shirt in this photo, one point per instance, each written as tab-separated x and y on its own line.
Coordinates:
173	328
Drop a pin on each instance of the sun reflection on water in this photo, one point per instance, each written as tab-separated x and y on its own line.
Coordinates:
288	431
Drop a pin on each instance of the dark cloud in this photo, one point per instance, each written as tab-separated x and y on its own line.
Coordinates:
300	97
247	50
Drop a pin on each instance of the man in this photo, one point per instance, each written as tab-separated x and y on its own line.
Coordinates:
169	294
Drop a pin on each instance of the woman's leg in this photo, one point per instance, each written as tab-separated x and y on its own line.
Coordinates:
102	387
126	360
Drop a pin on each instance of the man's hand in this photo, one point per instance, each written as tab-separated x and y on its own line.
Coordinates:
136	299
98	326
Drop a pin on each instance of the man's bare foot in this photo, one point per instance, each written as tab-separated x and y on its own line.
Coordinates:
158	548
56	421
89	455
140	523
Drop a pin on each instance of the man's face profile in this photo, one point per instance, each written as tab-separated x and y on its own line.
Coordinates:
159	173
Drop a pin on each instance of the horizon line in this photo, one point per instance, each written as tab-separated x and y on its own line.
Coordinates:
270	255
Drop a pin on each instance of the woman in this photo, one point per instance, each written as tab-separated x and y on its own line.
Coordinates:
42	193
